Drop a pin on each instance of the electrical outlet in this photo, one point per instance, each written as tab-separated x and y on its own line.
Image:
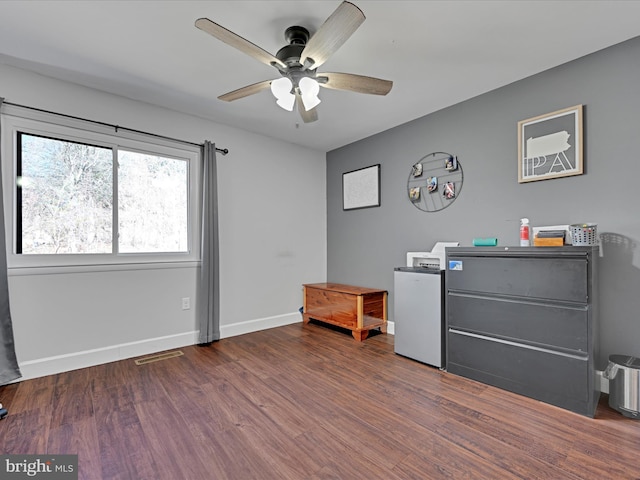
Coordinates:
186	303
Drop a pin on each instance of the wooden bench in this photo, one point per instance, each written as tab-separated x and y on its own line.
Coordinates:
358	309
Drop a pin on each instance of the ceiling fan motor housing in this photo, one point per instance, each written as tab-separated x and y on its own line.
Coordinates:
290	55
296	35
297	38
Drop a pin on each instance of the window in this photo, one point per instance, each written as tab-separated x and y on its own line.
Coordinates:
83	197
64	197
152	203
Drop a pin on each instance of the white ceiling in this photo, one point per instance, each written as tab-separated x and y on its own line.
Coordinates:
437	53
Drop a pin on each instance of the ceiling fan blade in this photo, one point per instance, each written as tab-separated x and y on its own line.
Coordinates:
245	91
354	83
336	30
307	116
236	41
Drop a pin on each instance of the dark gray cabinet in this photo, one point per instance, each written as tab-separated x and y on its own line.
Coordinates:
525	319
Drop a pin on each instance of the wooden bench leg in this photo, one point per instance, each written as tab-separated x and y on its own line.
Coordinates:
361	335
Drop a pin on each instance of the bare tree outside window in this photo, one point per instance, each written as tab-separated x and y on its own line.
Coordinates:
65	196
152	203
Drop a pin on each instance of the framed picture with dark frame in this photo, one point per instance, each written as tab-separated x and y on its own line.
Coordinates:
550	145
361	188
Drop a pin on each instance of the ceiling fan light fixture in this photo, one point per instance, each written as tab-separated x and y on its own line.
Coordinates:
310	102
287	102
309	89
281	89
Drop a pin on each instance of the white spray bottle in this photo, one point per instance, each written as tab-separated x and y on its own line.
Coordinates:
525	233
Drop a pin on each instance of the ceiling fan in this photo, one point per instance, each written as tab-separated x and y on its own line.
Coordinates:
297	62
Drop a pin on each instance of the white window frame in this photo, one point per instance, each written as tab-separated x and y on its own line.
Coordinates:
18	119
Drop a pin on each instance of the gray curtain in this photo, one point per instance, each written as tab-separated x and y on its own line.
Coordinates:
208	290
9	369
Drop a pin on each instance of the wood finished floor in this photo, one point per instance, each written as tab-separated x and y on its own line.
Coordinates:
306	402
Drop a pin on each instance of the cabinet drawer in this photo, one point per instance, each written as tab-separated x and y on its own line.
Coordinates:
557	379
553	326
553	278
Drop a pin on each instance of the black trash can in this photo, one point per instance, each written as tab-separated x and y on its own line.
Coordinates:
623	373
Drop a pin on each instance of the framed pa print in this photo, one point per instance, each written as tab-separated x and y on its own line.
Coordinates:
550	145
361	188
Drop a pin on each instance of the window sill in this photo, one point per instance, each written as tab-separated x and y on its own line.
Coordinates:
57	270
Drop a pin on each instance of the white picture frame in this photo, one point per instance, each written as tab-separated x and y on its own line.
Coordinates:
361	188
550	145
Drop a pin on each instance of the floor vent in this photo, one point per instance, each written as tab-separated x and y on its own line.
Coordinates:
158	357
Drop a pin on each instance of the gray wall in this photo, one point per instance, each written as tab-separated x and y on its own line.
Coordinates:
365	245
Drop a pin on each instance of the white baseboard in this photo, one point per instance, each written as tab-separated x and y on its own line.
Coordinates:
391	327
88	358
249	326
604	383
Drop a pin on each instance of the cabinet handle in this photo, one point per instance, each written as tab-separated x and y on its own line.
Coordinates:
517	344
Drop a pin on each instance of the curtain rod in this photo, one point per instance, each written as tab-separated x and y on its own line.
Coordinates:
223	151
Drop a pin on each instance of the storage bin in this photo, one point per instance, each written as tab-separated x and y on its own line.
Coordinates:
623	373
584	234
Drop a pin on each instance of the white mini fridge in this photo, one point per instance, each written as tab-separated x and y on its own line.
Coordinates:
419	314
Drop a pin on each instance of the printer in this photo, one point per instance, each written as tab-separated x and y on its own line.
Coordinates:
434	259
